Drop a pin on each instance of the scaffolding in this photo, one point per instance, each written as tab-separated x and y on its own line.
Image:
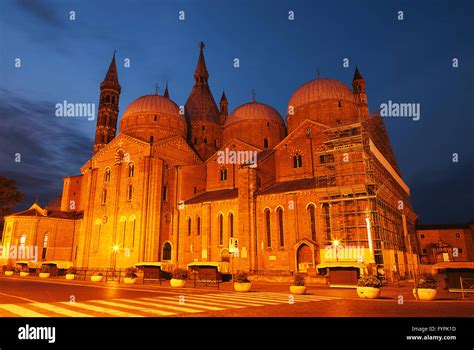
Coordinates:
354	185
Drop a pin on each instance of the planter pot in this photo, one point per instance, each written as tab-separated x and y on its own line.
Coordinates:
242	287
368	292
70	276
44	274
425	293
129	280
24	274
8	273
96	278
298	290
175	283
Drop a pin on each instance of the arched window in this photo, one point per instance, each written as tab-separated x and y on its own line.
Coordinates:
166	251
134	221
165	193
280	227
205	140
155	118
104	196
107	99
107	175
268	231
189	227
265	143
312	221
198	226
231	225
339	104
45	246
221	229
129	192
223	174
297	161
113	99
152	139
131	170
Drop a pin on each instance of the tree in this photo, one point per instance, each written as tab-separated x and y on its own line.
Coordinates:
9	197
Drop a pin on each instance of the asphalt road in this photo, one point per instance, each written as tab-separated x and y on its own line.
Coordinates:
58	298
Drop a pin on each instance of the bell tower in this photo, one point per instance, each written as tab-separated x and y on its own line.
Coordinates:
108	110
358	86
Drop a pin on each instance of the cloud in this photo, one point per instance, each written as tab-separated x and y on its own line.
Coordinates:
43	11
49	147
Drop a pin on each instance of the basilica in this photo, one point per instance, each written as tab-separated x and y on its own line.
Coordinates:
319	190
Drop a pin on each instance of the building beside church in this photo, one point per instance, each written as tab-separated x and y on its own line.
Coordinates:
321	191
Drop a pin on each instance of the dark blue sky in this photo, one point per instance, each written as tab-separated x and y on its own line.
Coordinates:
402	61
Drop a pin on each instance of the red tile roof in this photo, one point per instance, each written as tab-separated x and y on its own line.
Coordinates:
214	196
288	186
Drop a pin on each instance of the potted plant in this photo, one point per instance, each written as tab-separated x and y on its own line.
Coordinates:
25	271
9	270
130	275
242	282
426	288
178	278
368	287
44	271
298	286
97	276
71	273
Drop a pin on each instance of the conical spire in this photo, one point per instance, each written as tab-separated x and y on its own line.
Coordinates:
357	75
166	93
200	74
112	75
223	97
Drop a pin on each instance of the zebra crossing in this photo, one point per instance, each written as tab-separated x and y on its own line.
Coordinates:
162	306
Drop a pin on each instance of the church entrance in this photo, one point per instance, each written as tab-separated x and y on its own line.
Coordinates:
304	258
166	251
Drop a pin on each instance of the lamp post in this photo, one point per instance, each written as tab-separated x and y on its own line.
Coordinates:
115	251
335	243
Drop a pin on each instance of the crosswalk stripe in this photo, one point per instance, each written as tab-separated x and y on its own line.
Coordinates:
133	307
60	310
305	296
198	302
248	299
102	310
21	311
172	301
213	297
166	305
170	304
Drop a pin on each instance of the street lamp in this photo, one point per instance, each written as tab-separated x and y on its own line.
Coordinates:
115	250
335	243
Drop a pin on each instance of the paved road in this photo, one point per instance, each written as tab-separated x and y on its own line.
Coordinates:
33	297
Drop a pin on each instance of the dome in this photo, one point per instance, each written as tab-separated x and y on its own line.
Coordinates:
153	117
320	90
152	104
254	111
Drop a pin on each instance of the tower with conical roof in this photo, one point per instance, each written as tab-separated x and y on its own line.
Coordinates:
107	113
358	86
202	114
223	108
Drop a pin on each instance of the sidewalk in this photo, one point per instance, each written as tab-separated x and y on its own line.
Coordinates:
388	292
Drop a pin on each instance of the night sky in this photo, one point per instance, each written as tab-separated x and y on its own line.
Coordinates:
407	61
